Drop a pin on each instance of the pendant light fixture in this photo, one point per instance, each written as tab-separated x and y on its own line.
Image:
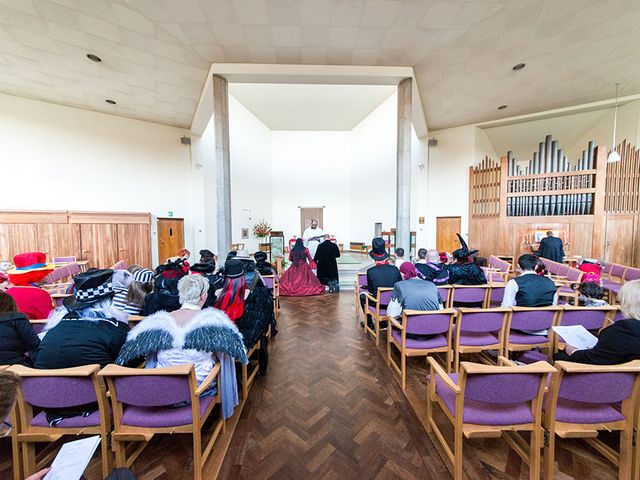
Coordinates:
614	156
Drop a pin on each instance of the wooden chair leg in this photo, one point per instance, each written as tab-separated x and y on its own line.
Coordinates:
107	466
245	382
626	453
457	454
534	454
377	331
429	407
549	457
358	307
119	450
388	350
29	458
197	453
403	370
16	459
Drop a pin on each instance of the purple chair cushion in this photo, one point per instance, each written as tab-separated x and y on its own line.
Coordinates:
435	341
383	310
521	338
92	420
158	417
612	286
475	339
580	412
533	356
481	413
568	290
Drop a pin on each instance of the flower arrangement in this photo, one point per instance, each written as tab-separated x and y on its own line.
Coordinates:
262	229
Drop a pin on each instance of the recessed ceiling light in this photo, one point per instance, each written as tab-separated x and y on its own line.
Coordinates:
110	101
519	66
502	107
93	58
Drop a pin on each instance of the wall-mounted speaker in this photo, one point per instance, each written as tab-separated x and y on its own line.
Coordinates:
184	140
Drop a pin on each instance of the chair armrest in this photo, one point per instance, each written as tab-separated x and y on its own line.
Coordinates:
395	323
443	375
208	379
370	298
504	361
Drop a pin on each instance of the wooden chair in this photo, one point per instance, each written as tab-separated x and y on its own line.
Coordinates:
144	405
359	286
376	307
470	294
593	319
134	320
435	327
529	318
248	376
16	457
565	291
60	388
583	400
497	284
485	401
479	330
445	293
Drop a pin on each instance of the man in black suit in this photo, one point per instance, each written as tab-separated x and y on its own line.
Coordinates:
382	274
551	248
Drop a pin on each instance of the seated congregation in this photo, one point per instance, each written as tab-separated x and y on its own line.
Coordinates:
495	362
171	346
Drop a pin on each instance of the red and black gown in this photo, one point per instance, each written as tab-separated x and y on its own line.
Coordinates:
299	280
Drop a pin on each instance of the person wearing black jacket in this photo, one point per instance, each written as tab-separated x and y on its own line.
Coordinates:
16	334
618	343
382	274
551	248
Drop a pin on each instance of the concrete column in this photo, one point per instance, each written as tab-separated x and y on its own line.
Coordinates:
223	164
403	168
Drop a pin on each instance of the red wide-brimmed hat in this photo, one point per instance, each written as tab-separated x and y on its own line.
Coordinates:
29	267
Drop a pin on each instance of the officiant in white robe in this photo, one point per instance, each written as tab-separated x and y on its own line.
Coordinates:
312	237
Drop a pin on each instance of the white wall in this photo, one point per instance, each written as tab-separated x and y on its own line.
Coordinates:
311	169
373	172
63	158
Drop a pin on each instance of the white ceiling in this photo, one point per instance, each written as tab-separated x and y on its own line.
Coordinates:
310	107
156	53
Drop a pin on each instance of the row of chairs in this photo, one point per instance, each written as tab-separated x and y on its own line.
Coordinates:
456	332
568	401
616	275
135	405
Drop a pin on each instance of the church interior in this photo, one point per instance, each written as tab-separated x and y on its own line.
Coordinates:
314	239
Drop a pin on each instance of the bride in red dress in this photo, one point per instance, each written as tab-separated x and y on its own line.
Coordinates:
299	280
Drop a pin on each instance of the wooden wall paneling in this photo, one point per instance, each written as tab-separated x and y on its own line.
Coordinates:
620	229
17	238
134	243
599	220
99	244
59	239
19	216
581	238
109	217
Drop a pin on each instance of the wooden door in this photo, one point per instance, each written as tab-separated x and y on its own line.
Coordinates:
134	243
619	231
308	213
99	244
170	237
446	230
59	239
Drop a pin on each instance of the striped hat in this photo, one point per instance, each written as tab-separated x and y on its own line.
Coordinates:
143	275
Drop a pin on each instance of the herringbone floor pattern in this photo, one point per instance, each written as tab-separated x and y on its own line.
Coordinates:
328	407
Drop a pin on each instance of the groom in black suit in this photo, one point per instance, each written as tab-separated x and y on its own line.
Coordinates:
551	248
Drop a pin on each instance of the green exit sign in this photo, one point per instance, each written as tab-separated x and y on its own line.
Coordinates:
171	214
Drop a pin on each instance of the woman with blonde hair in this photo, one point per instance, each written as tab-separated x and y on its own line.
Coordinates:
618	343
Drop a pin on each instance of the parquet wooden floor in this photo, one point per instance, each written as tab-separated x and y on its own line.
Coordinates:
330	408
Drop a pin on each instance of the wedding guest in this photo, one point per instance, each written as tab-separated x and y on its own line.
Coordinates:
529	289
619	342
16	332
432	269
382	274
413	293
464	271
26	278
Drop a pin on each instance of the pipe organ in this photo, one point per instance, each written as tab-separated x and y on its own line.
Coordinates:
595	206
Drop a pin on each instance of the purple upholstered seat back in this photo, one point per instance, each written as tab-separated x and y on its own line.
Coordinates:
120	265
606	268
74	269
481	321
268	281
631	274
573	274
152	390
58	392
596	387
428	324
362	279
502	388
469	294
64	259
37	327
385	296
563	270
497	295
534	319
588	318
617	270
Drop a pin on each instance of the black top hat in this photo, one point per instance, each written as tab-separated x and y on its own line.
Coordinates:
463	251
260	256
233	268
90	287
203	267
378	251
